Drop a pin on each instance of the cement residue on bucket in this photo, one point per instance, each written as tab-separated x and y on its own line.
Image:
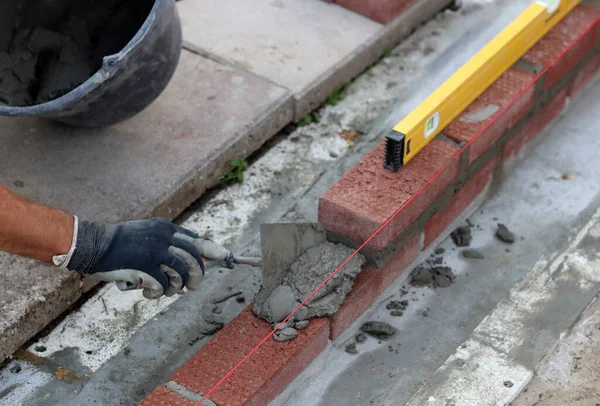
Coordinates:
305	274
48	48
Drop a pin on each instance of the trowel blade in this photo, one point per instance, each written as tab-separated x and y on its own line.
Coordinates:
282	243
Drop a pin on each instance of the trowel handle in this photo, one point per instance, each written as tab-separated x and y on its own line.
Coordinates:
252	261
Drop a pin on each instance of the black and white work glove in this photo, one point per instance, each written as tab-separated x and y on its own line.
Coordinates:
154	255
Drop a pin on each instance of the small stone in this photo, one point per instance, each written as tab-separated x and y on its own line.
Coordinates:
360	338
301	325
15	369
404	303
439	251
508	384
351	348
240	299
40	348
390	349
89	352
19	183
126	351
425	313
504	234
397	313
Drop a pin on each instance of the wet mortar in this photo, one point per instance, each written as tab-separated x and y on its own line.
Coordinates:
48	48
304	275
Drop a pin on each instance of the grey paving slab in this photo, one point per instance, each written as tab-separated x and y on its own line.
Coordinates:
292	42
155	164
308	46
31	295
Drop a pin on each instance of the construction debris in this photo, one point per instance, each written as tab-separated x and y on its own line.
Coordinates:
378	329
439	276
462	236
504	234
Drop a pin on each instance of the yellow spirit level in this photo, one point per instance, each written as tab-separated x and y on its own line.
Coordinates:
450	99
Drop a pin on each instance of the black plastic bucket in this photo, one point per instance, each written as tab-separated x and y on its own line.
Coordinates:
126	83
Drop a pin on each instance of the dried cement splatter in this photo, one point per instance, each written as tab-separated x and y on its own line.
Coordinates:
301	324
378	329
462	236
285	334
397	307
504	234
472	254
439	276
305	274
351	348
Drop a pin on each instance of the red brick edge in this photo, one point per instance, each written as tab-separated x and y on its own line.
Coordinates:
463	161
382	11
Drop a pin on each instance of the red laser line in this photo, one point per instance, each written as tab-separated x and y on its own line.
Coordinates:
393	216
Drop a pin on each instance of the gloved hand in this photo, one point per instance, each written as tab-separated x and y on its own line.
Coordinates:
155	255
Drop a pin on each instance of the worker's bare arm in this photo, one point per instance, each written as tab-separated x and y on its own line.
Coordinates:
32	230
155	255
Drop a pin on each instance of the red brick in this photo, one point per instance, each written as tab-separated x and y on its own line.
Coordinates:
162	396
460	201
369	285
264	375
382	11
583	19
512	89
359	203
535	125
588	72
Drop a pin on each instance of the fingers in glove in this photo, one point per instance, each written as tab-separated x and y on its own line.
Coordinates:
182	230
195	271
176	270
190	248
154	285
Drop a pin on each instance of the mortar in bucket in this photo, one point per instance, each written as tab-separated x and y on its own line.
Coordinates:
86	63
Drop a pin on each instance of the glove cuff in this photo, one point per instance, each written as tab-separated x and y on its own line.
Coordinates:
92	242
63	260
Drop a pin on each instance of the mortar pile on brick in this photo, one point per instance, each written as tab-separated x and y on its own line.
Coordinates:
434	189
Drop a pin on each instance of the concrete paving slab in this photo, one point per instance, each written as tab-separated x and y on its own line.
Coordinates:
315	35
322	46
31	295
569	374
155	164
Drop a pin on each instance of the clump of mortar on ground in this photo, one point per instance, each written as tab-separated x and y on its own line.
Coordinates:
304	275
50	47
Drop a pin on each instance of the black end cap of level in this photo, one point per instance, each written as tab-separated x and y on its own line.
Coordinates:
394	151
